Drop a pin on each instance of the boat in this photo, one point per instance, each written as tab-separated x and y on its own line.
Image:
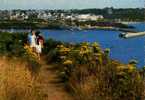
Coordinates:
131	34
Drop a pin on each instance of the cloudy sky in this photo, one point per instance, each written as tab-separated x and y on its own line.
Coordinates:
69	4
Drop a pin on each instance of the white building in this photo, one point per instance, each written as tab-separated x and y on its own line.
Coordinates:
70	17
18	16
44	16
88	17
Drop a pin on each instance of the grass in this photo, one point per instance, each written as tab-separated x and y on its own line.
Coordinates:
17	81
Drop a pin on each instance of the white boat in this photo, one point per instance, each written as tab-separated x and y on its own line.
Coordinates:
131	34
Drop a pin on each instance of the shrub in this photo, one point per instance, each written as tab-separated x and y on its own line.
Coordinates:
12	44
91	75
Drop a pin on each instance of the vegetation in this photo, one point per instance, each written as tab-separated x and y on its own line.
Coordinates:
89	74
17	81
56	24
85	70
28	24
12	47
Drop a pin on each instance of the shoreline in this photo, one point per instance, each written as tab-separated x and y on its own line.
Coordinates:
97	28
74	28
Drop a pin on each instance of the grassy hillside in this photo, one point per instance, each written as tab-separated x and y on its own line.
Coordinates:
85	70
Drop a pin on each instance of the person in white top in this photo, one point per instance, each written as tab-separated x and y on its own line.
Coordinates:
33	41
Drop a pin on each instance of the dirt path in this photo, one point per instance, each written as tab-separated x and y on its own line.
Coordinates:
49	85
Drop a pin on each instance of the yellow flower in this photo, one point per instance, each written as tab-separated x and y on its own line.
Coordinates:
30	52
131	68
121	68
98	54
85	47
98	48
138	77
86	51
85	44
95	44
64	49
60	46
67	62
26	46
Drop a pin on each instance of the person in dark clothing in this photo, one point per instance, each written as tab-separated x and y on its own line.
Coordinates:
39	37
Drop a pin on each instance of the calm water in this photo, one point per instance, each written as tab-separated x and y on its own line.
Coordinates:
121	49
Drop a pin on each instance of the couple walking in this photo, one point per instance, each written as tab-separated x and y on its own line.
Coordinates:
36	41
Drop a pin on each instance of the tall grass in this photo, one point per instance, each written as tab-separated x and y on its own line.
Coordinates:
17	82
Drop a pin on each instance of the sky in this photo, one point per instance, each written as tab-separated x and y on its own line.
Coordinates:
69	4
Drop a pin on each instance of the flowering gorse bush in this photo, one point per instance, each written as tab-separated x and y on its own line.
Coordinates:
92	75
30	52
